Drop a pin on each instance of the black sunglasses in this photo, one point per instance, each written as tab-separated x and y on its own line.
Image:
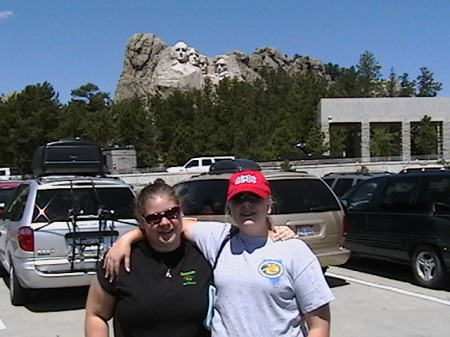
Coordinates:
155	218
246	197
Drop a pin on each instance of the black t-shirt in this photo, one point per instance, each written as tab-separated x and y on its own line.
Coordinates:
165	294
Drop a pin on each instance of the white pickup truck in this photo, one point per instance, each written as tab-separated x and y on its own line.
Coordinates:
198	164
10	173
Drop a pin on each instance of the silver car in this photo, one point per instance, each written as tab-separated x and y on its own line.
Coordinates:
56	229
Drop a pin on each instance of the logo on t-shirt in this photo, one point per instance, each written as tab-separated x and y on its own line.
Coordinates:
271	269
189	277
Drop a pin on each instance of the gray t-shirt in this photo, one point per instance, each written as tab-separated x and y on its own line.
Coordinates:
264	287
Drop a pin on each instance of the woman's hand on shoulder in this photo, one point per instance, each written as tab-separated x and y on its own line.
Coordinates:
119	252
281	233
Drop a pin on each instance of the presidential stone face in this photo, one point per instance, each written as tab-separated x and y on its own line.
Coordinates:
221	67
181	51
193	56
203	64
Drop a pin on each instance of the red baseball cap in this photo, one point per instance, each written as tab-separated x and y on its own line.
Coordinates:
250	182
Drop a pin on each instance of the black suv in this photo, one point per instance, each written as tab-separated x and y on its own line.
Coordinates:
403	218
342	182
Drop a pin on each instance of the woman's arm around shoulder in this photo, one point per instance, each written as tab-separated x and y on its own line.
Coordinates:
188	228
99	309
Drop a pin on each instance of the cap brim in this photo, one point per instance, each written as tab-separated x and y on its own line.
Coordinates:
258	192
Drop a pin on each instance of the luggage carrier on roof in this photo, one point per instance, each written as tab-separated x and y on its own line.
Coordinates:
72	156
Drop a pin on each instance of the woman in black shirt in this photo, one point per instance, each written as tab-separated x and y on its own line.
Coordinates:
166	294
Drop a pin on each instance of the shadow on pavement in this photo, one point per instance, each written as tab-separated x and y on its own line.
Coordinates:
386	269
334	282
62	299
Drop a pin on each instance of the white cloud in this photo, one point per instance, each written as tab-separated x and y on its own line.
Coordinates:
5	14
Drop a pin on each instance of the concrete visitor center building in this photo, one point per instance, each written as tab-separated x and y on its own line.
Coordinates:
398	113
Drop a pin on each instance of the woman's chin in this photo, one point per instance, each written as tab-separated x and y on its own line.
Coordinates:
169	239
248	222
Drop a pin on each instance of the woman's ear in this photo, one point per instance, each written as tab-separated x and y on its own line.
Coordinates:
142	229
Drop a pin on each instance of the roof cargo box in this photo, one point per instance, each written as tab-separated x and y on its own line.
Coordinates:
68	157
234	165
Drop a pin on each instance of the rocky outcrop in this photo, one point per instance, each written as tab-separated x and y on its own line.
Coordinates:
151	66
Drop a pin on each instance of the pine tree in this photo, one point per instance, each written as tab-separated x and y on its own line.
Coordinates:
407	87
426	85
424	137
392	84
369	75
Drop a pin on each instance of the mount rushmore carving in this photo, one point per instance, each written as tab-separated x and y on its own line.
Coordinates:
151	66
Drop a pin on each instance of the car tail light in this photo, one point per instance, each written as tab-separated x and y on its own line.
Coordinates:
345	225
25	236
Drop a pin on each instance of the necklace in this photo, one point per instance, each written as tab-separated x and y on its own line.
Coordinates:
169	260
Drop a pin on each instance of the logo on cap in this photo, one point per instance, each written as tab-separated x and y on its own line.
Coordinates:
246	179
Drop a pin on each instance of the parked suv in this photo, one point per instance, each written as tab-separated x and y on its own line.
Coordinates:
302	201
403	218
57	227
342	182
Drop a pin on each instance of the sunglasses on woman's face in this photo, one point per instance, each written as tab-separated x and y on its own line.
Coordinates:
155	218
246	197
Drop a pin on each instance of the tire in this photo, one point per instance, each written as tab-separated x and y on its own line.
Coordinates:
3	272
17	293
428	268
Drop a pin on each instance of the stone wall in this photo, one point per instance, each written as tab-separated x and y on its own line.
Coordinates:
138	181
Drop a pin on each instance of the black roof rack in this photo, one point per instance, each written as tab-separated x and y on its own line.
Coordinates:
358	173
69	156
233	165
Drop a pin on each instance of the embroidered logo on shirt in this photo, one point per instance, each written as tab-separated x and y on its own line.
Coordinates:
272	270
189	277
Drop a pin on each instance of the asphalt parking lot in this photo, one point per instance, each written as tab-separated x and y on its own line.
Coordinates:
373	299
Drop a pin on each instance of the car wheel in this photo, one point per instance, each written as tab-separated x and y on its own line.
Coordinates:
17	293
427	267
3	272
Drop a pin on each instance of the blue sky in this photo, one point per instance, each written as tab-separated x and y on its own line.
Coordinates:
70	43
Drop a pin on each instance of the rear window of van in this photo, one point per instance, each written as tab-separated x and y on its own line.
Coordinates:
290	196
60	204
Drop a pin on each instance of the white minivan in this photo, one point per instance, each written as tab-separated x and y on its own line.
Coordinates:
198	164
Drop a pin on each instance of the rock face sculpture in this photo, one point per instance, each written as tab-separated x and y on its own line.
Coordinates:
151	66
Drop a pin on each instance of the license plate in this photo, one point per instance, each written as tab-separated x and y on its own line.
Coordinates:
86	248
305	230
89	241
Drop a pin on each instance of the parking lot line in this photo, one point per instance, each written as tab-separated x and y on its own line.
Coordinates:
2	325
396	290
